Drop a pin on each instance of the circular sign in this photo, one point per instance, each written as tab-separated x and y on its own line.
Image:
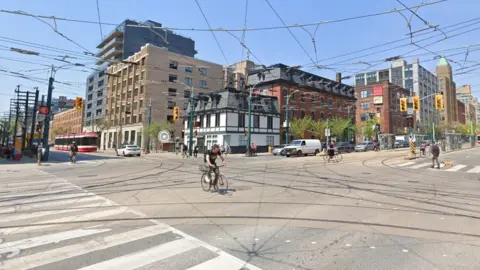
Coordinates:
164	136
44	110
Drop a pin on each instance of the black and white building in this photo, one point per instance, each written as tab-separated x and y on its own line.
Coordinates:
222	118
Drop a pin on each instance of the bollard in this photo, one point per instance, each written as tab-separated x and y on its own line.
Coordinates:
412	147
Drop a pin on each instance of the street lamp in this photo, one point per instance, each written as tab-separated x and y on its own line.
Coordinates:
286	114
190	118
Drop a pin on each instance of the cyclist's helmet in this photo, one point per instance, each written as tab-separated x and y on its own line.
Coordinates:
215	146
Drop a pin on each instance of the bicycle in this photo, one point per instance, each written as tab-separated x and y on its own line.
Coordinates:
336	158
73	158
206	186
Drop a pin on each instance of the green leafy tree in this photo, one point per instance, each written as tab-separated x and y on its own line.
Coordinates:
368	129
299	126
154	128
318	129
338	126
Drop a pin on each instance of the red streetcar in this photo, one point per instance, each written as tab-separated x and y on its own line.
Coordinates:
86	142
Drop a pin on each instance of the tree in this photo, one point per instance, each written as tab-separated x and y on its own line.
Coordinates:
368	129
318	129
299	126
102	125
154	128
338	126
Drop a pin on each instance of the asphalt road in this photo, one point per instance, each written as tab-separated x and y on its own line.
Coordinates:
370	211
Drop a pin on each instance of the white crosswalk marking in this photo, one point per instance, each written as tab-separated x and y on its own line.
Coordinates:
475	169
404	164
420	165
44	228
456	168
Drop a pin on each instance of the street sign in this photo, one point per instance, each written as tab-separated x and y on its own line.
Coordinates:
412	138
44	110
164	136
327	132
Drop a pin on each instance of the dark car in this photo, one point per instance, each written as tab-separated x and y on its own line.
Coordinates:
345	147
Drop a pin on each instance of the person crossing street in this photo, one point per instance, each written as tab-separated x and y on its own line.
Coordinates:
435	151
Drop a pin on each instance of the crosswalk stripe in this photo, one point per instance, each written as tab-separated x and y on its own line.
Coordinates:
420	165
48	198
456	168
32	183
404	164
139	259
76	218
218	263
37	193
11	247
476	169
55	255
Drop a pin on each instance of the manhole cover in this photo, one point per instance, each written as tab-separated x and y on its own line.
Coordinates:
85	176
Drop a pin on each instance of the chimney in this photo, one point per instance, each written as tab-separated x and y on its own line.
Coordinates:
339	77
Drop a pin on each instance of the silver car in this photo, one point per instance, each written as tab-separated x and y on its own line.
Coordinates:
279	150
364	146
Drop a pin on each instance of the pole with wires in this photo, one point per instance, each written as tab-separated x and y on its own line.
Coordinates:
46	129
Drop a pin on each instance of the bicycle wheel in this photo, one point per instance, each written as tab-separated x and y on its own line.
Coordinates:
205	185
325	157
338	157
223	179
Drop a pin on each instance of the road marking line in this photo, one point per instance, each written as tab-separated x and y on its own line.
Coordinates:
420	165
476	169
76	218
151	255
31	183
217	263
47	239
9	218
404	164
36	193
63	253
456	168
48	198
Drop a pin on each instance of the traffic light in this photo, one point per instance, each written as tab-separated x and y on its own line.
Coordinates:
176	113
439	102
403	105
78	103
416	103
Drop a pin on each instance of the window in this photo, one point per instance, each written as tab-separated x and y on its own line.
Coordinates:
172	78
338	104
270	122
329	102
312	115
365	105
302	114
211	140
208	120
188	69
99	102
89	105
322	116
284	92
188	81
203	71
270	140
364	93
312	98
217	119
171	104
99	93
173	64
203	84
98	112
89	114
364	117
90	97
186	93
172	92
302	97
322	100
256	121
90	88
100	83
241	120
242	140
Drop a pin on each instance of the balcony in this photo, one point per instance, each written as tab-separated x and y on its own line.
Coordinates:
113	53
115	42
117	32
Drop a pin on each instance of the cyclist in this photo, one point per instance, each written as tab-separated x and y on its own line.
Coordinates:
331	152
73	152
210	158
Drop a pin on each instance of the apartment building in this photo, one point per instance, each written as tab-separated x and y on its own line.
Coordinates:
461	108
413	77
464	94
159	76
235	75
122	42
447	87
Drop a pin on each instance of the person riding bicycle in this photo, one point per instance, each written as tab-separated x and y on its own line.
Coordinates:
331	151
210	158
73	151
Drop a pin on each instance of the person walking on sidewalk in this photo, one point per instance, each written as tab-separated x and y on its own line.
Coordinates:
39	154
435	151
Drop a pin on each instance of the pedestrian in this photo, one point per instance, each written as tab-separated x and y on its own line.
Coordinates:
39	154
185	149
195	151
435	151
222	149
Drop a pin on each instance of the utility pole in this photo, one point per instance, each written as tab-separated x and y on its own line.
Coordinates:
17	111
34	114
24	127
249	137
190	125
149	122
46	129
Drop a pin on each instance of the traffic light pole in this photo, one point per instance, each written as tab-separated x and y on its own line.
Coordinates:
46	129
34	114
190	125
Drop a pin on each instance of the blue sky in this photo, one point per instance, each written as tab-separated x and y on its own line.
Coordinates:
272	46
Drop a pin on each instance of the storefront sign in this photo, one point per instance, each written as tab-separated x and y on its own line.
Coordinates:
378	100
378	91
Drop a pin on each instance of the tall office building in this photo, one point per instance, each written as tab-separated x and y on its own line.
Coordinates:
124	41
413	77
464	94
447	87
235	75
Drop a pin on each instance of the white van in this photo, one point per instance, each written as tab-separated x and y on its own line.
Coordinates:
303	147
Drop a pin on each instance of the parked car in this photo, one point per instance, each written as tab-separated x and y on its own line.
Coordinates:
303	147
345	147
279	150
401	144
364	146
129	150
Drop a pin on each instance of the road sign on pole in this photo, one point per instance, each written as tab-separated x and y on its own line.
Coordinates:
327	132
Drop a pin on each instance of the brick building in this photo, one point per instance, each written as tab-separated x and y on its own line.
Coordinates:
70	121
461	116
317	97
383	100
